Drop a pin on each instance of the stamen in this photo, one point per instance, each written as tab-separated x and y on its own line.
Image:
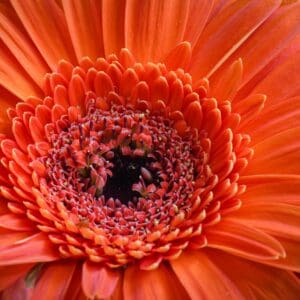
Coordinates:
122	169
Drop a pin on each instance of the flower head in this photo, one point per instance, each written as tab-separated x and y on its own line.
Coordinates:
149	149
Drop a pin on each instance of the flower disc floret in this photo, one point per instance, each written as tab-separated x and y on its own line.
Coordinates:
123	161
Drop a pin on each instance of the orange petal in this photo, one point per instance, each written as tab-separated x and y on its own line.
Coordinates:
15	222
77	92
9	274
46	25
193	114
201	278
290	50
277	154
274	119
179	57
113	18
256	281
7	100
118	292
98	281
152	23
11	72
3	208
54	281
279	219
292	260
16	39
226	32
9	237
160	283
248	108
198	14
241	240
269	188
17	290
267	42
217	7
36	248
75	291
276	86
84	22
226	87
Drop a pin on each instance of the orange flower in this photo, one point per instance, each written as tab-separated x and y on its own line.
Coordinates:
149	149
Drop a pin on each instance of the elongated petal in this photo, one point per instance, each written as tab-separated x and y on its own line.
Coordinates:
118	292
278	154
152	23
276	86
278	219
113	22
246	241
258	281
275	119
84	23
7	100
179	57
202	279
9	274
54	281
266	42
11	72
98	281
227	32
36	248
17	291
292	260
199	12
51	38
160	283
15	222
271	188
16	39
227	85
291	50
9	237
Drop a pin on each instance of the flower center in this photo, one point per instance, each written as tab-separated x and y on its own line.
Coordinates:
123	161
123	169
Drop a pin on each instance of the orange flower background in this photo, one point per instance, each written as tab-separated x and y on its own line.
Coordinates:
149	149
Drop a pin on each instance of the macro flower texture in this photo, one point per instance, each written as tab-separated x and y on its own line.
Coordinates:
149	149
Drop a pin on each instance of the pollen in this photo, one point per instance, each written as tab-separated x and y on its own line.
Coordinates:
123	171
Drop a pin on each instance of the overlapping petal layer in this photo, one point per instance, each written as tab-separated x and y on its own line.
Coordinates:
224	72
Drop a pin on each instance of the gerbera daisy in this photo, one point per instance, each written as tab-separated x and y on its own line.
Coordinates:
149	149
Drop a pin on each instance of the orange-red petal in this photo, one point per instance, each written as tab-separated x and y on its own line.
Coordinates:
54	281
202	278
98	281
160	283
36	248
51	38
152	23
242	240
113	18
276	86
266	42
84	23
256	281
271	188
278	154
198	15
20	45
9	274
228	31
